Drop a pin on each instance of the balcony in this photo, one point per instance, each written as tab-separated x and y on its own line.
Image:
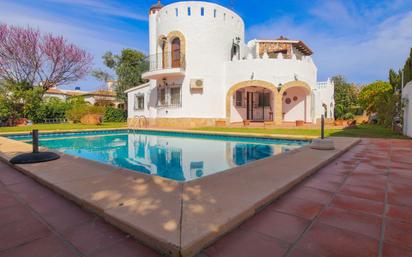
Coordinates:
169	64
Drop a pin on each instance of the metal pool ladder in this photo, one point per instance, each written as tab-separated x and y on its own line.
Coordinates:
140	122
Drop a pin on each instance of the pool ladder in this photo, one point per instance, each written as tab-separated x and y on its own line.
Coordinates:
140	122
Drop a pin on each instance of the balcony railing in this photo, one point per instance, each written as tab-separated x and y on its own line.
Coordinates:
167	60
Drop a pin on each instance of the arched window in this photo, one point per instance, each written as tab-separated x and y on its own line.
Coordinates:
176	53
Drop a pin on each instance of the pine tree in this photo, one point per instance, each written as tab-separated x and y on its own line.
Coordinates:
407	69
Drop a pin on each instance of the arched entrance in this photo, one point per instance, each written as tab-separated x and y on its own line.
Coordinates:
252	100
295	101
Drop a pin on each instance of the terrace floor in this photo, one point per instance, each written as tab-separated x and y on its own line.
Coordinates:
360	205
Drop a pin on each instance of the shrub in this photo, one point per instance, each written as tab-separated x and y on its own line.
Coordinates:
348	116
54	108
114	115
79	109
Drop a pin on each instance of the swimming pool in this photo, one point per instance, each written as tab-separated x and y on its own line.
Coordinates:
172	155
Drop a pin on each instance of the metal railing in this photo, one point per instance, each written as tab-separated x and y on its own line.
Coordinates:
167	60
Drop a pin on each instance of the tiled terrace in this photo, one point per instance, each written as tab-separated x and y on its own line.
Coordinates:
361	205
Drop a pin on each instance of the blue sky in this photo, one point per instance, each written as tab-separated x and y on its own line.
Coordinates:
360	39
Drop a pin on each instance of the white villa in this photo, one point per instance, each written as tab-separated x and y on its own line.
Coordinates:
203	73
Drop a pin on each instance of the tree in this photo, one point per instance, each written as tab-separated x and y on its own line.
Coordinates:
369	95
407	69
129	67
101	75
345	96
395	80
36	59
18	100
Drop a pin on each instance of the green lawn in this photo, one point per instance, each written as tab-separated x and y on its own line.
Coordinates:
65	126
373	131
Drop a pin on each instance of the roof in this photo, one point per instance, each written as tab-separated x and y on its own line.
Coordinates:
101	93
299	44
56	91
137	87
156	6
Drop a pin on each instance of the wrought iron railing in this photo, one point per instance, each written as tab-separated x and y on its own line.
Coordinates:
166	60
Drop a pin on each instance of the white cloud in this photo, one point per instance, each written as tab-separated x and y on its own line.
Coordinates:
103	8
361	57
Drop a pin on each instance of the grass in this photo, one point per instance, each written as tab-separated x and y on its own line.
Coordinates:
371	131
64	126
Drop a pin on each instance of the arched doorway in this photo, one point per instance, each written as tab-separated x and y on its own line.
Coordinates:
296	101
176	53
252	100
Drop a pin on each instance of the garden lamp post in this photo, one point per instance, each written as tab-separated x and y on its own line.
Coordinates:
322	143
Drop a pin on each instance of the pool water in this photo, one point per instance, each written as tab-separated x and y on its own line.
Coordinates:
172	155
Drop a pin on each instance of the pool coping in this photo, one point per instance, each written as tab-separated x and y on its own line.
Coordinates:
177	219
187	131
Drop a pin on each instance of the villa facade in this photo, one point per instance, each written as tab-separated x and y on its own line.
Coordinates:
407	113
203	73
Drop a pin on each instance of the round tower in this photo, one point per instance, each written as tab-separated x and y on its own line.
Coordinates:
153	13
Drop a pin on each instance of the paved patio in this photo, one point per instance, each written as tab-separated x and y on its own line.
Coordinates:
361	205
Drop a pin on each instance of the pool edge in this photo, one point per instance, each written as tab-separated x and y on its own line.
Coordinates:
190	247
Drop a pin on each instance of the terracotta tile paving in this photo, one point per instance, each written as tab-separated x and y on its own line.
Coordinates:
359	205
35	221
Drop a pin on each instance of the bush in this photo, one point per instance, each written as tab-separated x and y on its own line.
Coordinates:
79	108
348	116
54	108
114	115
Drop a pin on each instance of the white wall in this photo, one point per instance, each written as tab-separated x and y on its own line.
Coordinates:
323	93
208	46
295	110
407	118
274	71
208	52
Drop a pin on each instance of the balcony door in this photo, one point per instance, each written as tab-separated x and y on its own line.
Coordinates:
176	53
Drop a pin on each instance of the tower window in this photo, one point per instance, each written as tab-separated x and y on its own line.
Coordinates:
189	11
177	12
224	16
214	13
202	11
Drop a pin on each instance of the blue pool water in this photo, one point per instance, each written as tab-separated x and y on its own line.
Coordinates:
177	156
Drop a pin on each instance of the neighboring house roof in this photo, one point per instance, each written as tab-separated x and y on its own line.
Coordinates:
101	93
55	91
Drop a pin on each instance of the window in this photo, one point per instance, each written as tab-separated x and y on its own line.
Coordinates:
224	16
161	96
139	102
177	12
175	96
214	13
202	11
264	99
189	11
238	98
176	53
